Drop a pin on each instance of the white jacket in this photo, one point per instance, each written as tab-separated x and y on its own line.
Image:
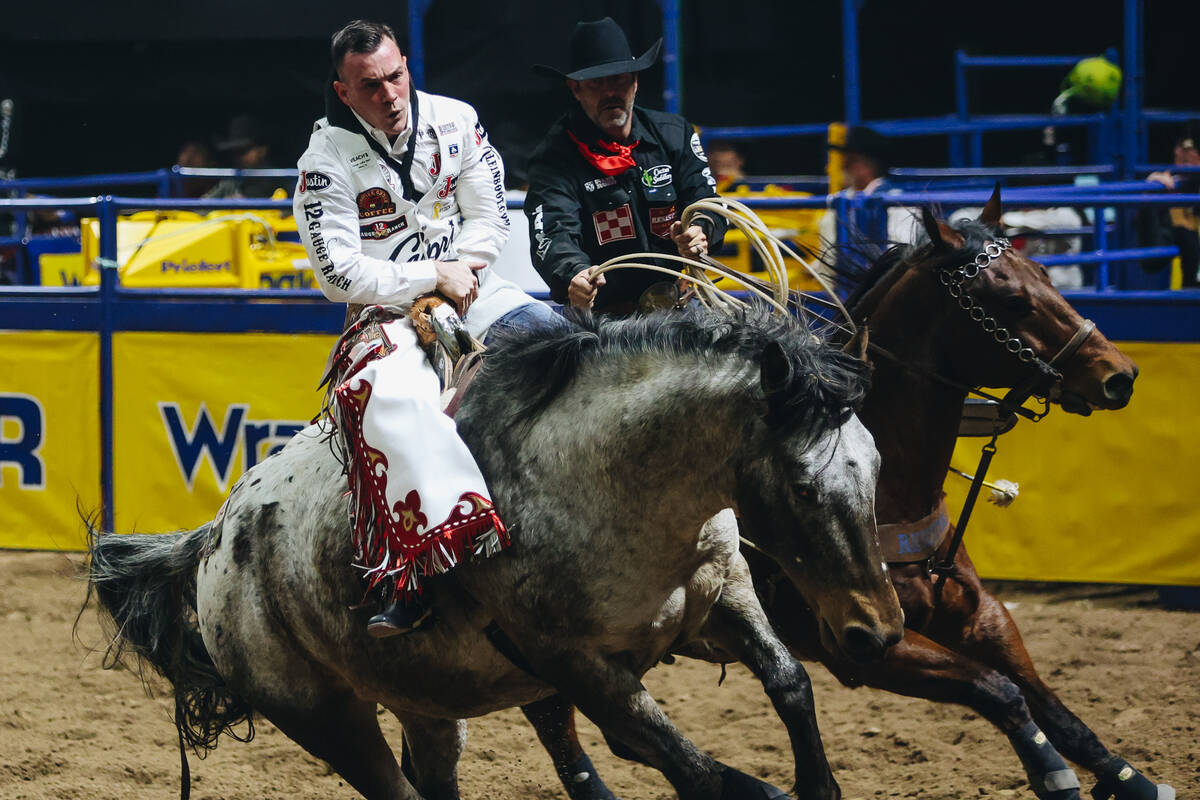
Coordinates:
370	244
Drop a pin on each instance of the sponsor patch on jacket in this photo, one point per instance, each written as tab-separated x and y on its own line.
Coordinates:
382	229
480	133
448	187
657	176
660	220
448	128
360	160
613	225
697	148
374	202
436	167
313	181
600	183
708	176
453	150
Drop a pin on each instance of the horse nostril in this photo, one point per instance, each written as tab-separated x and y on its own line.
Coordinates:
862	644
1119	388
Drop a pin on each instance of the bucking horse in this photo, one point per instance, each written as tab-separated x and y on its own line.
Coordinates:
621	454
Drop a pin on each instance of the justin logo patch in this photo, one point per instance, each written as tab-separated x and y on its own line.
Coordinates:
660	221
614	225
313	181
448	188
436	167
374	202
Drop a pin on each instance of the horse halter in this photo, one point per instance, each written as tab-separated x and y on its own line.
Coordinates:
1046	375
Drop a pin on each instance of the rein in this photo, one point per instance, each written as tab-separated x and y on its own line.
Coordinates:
1045	377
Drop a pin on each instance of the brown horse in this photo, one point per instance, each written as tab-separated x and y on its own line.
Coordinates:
940	327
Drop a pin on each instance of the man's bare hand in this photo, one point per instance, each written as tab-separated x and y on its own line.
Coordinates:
690	241
457	282
581	292
1165	178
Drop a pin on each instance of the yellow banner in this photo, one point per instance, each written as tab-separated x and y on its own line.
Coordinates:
1105	498
49	437
193	411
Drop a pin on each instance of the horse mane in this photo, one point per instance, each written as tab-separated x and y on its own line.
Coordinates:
819	387
867	284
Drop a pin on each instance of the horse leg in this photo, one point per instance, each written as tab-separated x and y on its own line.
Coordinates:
995	640
919	667
432	748
343	730
554	721
611	695
738	624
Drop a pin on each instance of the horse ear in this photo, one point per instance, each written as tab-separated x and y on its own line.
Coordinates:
776	372
933	229
858	344
992	212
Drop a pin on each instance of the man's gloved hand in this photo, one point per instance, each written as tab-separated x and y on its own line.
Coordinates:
457	282
581	292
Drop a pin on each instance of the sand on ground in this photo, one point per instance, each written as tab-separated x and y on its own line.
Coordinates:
1129	668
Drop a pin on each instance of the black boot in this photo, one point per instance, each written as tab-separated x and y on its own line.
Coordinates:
399	617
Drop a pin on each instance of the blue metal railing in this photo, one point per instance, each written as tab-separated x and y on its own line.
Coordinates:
110	307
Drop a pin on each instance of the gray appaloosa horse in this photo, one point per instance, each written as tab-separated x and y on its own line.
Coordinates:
607	448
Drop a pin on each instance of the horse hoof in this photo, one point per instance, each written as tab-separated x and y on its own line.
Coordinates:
1122	782
740	786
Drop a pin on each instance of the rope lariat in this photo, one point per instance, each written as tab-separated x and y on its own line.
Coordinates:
772	250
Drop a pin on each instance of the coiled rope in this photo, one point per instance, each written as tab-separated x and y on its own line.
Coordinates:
772	250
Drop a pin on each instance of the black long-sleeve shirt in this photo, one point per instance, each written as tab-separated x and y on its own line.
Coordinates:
579	216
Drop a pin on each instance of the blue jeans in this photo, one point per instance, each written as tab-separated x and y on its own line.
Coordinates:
530	316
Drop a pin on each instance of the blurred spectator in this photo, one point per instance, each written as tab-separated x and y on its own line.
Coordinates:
726	163
248	146
195	153
866	157
1033	234
1177	226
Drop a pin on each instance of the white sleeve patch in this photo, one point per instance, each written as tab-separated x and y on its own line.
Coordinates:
697	149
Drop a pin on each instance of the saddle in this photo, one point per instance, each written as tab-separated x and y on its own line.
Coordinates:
453	353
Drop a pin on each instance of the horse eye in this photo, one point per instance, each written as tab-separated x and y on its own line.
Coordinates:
805	492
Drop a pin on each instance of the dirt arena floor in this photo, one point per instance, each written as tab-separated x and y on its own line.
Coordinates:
1130	669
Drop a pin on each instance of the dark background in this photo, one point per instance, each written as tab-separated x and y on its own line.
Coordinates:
106	87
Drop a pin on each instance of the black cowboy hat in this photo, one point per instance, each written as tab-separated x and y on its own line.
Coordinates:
867	142
245	131
599	49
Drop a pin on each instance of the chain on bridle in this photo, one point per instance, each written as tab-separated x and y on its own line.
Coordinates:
1046	375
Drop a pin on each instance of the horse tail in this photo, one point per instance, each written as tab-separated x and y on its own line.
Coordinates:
146	588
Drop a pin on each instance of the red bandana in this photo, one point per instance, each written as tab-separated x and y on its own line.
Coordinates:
621	160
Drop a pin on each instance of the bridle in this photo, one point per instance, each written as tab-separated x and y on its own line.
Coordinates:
1046	374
